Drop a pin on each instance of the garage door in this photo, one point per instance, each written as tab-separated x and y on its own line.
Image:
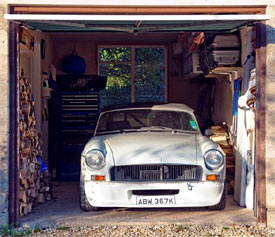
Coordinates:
136	23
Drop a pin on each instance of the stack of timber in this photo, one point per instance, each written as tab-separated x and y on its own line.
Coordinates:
221	137
34	186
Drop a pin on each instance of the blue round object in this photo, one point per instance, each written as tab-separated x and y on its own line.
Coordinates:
74	64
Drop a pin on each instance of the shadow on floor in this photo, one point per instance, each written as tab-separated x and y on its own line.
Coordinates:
64	210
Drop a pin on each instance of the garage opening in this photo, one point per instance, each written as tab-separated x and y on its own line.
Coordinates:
206	62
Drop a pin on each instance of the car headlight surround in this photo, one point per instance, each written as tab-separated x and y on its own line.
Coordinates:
213	159
95	159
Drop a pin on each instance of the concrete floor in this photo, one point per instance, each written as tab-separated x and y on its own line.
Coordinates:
64	210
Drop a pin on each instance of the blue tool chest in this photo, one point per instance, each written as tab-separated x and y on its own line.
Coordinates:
78	111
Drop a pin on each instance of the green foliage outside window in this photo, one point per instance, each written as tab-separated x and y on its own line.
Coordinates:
149	75
115	54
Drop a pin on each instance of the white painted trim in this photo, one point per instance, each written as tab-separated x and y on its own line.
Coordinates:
52	17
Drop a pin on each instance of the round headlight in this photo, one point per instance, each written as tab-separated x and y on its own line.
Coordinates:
213	159
95	159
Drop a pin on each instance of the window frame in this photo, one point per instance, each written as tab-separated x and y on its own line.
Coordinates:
132	63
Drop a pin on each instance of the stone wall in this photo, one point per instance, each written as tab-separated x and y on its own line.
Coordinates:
4	117
270	118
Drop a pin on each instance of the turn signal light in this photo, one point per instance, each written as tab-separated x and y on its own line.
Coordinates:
98	177
212	177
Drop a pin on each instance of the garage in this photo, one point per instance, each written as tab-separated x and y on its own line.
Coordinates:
117	48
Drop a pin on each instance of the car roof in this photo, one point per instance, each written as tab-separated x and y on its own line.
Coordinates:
153	106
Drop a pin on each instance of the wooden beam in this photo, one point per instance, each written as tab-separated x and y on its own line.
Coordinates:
13	124
138	10
261	124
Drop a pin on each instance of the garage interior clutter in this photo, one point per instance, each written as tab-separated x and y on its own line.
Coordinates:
66	78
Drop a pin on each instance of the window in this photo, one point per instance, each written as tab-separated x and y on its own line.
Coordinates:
135	74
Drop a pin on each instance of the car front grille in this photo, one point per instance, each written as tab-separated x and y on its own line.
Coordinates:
156	172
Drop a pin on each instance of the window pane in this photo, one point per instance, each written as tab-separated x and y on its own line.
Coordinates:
149	83
149	75
114	54
118	88
149	55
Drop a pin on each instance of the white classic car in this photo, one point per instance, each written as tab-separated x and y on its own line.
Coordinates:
151	155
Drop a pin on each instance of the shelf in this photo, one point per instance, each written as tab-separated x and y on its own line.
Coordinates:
218	70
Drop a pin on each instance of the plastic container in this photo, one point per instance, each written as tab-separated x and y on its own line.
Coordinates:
226	57
74	64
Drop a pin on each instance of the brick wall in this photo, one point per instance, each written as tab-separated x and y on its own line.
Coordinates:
4	117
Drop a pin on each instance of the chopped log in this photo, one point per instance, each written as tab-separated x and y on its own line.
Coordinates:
22	209
221	137
33	192
218	138
41	198
26	108
30	179
224	144
22	196
218	130
228	151
26	151
29	207
230	160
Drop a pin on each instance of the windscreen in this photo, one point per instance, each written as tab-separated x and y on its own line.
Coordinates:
146	118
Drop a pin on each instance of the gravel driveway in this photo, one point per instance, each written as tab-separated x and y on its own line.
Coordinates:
159	230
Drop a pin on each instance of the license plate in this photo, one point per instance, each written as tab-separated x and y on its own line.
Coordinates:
156	201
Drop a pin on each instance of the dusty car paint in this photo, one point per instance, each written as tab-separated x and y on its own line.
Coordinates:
152	147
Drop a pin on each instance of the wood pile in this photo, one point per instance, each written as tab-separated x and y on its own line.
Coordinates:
221	137
34	186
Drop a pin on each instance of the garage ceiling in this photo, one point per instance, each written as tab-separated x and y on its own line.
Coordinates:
136	23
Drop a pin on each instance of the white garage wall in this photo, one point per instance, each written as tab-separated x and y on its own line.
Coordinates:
38	66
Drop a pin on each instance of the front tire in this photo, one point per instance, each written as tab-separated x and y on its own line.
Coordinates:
222	204
83	201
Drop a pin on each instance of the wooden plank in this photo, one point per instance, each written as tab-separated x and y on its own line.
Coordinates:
13	125
260	155
139	10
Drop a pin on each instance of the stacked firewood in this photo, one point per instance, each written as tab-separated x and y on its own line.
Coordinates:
34	185
221	137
